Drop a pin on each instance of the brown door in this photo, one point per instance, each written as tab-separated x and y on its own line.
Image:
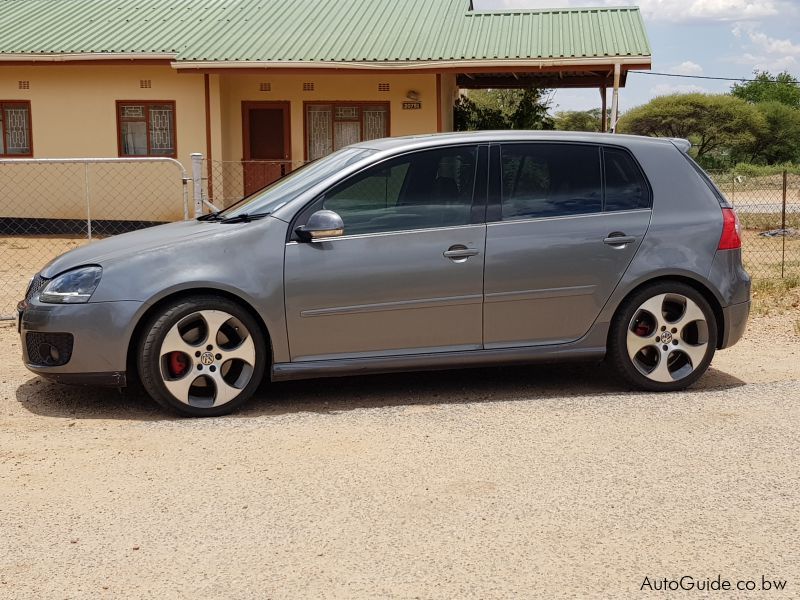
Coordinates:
266	143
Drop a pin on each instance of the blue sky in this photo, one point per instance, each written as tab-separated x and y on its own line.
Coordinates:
720	38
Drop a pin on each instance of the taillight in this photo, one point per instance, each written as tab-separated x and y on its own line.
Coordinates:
730	238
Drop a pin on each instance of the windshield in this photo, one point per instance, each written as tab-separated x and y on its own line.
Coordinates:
275	195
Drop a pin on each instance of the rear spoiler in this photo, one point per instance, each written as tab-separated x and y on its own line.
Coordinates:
681	144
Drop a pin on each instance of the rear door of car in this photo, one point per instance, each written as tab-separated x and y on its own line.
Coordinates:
407	275
564	222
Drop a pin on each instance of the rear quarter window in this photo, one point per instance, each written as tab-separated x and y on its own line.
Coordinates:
626	187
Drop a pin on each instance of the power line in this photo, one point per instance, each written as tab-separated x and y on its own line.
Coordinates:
737	79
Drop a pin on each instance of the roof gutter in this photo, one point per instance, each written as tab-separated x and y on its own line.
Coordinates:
58	57
433	65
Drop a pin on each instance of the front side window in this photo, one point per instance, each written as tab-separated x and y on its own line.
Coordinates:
330	127
146	128
550	180
431	188
15	128
625	186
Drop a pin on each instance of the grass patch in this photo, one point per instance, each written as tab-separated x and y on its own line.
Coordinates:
777	296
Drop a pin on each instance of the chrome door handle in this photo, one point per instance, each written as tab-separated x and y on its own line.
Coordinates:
460	253
619	240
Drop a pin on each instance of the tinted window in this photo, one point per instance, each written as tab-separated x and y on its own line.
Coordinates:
625	186
433	188
550	180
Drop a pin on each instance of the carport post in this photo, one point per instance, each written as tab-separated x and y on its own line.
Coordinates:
603	108
197	182
615	99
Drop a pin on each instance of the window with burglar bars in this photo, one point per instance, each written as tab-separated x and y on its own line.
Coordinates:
331	126
15	128
146	128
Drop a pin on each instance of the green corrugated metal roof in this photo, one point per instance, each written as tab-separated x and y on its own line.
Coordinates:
319	30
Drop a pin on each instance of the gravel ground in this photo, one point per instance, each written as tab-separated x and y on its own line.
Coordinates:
545	482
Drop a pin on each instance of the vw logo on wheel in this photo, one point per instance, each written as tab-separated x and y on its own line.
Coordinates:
666	337
207	358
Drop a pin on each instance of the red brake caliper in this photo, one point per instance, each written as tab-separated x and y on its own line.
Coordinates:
177	364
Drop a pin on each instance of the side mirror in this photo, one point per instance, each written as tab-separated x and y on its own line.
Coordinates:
321	224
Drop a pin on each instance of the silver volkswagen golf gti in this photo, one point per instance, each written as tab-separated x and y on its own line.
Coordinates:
426	252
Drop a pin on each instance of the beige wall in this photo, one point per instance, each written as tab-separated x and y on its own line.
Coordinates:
449	90
238	88
73	108
73	113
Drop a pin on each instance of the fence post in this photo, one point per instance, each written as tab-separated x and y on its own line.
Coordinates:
87	192
783	222
197	182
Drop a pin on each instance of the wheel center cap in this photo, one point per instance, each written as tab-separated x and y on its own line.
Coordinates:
666	337
207	358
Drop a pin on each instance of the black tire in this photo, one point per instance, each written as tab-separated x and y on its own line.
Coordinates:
617	355
149	361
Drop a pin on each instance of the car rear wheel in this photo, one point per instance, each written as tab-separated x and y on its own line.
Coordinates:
202	356
663	337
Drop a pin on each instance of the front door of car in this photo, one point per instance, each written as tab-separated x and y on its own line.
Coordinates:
558	240
407	275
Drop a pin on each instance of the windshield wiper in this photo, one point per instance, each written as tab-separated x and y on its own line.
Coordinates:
212	216
244	217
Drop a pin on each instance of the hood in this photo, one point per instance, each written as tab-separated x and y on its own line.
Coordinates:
108	250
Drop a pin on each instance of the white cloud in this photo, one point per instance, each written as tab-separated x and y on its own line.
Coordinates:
664	89
668	10
687	67
765	52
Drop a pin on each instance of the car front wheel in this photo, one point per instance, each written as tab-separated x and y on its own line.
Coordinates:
663	337
202	356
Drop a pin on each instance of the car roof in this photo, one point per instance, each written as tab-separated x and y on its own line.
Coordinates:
464	137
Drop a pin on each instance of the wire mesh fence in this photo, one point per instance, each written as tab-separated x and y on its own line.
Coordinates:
226	182
769	211
49	206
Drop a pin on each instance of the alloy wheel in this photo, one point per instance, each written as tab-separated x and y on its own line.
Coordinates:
667	337
207	358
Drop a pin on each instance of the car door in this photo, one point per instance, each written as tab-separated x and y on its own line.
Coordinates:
558	241
407	275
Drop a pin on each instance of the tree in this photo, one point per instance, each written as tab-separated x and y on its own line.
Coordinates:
766	87
713	122
503	109
579	120
778	142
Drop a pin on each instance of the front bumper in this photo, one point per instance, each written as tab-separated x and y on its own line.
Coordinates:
101	332
735	319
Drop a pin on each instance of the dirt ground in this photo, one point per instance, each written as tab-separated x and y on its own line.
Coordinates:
527	482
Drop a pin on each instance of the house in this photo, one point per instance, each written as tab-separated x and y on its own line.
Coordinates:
285	81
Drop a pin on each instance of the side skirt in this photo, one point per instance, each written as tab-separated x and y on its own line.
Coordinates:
431	362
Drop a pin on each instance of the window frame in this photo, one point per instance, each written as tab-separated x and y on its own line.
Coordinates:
494	207
147	103
5	154
479	193
334	103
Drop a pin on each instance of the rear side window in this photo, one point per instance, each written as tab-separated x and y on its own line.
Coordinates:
626	188
550	180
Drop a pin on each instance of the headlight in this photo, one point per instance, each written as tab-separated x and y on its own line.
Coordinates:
72	287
